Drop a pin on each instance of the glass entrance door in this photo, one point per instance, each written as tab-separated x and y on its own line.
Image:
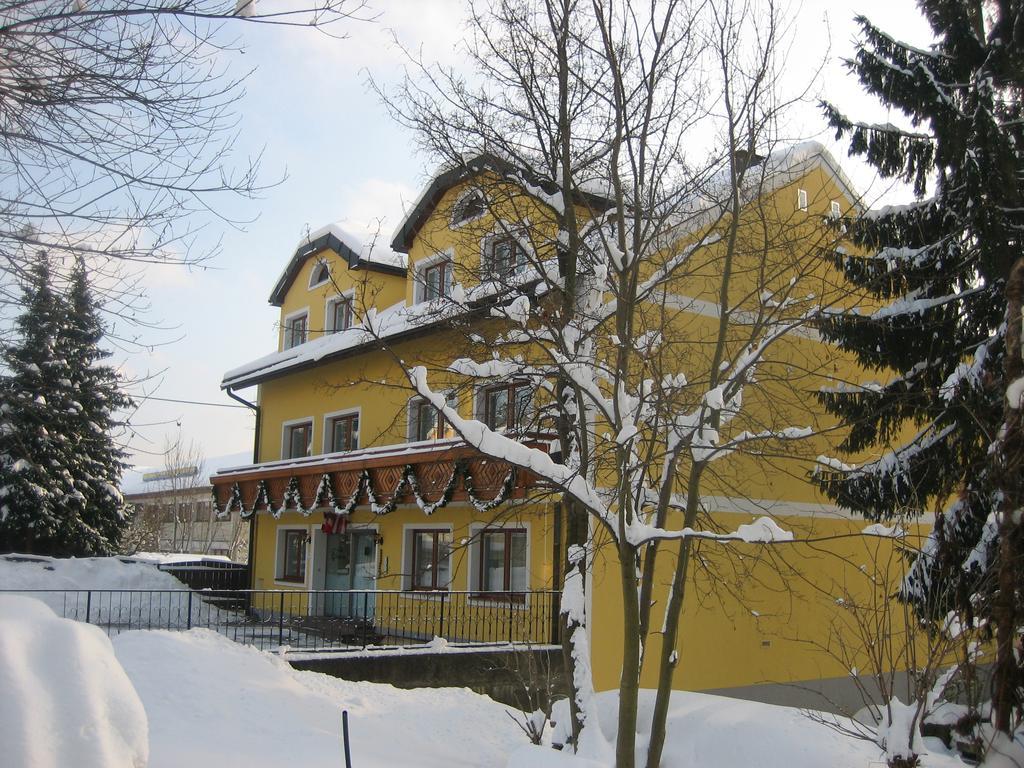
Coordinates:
351	565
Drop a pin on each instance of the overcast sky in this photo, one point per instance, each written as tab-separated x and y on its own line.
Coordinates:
308	108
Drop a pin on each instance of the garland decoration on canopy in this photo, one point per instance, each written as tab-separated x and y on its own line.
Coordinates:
407	482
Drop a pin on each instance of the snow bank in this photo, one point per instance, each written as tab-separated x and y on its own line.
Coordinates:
32	572
66	700
720	732
212	702
87	589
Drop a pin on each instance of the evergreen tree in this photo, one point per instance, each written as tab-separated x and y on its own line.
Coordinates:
59	468
938	269
37	494
98	461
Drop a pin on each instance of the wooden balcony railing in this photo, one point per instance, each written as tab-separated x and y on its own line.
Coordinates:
430	474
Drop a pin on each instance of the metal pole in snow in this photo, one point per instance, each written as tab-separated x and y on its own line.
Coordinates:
344	735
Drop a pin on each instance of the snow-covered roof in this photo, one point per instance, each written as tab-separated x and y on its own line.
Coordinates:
395	321
357	252
132	482
345	457
781	167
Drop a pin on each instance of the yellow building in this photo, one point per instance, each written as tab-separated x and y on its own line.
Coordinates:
362	486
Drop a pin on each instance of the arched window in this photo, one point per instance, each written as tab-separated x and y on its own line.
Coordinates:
320	275
468	207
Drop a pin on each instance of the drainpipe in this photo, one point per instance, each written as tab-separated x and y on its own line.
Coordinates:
255	460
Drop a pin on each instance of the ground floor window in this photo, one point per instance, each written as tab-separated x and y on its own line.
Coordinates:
502	560
291	560
431	559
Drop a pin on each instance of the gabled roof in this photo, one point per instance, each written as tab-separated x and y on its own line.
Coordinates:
356	253
471	166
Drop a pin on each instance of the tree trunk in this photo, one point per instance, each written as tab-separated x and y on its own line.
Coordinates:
1008	459
629	682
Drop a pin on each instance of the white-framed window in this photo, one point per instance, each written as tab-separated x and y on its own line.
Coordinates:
320	274
835	210
434	277
499	560
296	328
427	557
426	422
470	206
297	438
504	256
340	312
290	558
341	431
504	407
801	199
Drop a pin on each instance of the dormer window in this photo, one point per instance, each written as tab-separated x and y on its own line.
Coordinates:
320	275
468	207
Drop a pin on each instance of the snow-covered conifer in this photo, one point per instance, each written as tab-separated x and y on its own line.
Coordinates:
97	393
938	269
59	468
37	494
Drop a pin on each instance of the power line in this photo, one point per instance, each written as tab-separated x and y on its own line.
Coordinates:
192	402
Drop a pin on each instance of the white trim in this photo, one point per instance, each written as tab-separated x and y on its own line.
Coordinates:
289	317
358	411
473	556
835	210
279	555
419	286
320	262
710	309
406	574
349	296
801	199
782	508
294	423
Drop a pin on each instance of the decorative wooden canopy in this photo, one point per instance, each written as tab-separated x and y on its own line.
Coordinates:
430	475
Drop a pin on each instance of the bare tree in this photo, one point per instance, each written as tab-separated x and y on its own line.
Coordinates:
117	121
635	297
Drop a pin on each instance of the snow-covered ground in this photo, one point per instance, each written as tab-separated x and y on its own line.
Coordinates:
71	697
213	702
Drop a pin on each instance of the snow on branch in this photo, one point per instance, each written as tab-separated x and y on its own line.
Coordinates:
763	530
498	446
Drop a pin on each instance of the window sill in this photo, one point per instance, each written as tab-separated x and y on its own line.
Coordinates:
518	600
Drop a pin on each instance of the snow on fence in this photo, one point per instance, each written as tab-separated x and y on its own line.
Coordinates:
318	619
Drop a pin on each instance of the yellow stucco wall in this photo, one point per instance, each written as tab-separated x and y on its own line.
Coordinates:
759	613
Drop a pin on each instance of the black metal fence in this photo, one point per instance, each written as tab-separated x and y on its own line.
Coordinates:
209	574
318	619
